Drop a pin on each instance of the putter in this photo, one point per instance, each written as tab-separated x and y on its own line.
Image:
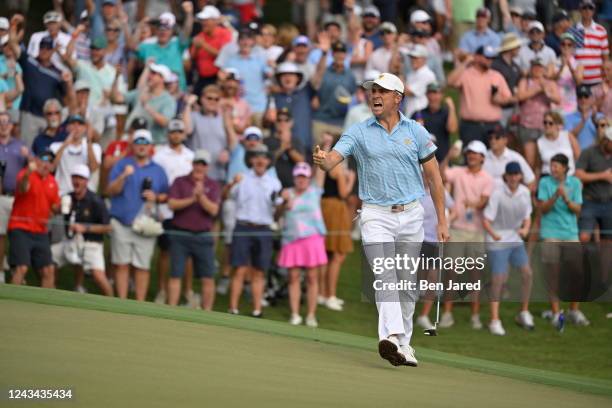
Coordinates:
434	331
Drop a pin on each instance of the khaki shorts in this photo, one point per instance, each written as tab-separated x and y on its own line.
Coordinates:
129	248
466	244
91	254
552	253
318	128
6	205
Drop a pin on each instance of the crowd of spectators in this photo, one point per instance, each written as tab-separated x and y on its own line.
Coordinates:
188	125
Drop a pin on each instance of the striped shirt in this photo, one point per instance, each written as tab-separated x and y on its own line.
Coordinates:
388	164
594	49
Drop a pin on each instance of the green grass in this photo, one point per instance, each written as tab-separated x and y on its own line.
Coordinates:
113	352
583	351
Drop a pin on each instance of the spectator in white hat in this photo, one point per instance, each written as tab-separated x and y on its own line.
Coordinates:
88	222
536	48
380	59
168	49
206	46
417	79
471	187
150	100
52	21
370	21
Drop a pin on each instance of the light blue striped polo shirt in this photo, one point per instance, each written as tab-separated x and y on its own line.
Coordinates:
388	163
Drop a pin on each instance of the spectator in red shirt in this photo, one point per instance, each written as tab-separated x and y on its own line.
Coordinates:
206	46
36	197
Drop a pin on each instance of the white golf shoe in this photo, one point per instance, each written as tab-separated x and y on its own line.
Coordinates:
525	320
424	322
496	328
311	321
408	352
333	303
475	322
447	320
295	320
321	300
389	349
578	318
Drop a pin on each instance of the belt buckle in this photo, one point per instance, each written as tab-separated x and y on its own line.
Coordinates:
397	208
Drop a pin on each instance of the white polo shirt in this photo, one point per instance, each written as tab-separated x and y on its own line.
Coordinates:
175	164
256	198
508	210
71	156
496	165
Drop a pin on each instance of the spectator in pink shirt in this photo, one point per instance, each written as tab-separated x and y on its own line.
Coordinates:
483	93
471	188
231	96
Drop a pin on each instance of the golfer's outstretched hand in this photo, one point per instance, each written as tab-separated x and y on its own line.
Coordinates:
319	156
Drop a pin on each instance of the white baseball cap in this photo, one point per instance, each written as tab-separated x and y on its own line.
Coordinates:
419	16
208	12
143	134
253	131
167	19
81	170
476	146
4	23
388	26
418	51
537	25
371	75
52	17
162	70
386	81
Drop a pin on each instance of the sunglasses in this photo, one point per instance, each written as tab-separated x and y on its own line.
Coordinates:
52	113
141	141
45	158
584	96
599	125
567	44
548	123
497	137
112	30
386	32
209	98
587	7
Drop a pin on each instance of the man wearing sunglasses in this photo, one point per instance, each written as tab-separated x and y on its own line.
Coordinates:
36	197
580	123
593	47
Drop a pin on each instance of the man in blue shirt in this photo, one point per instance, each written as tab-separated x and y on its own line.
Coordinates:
136	185
481	35
390	151
581	123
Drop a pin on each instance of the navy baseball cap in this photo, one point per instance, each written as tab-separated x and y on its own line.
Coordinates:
139	123
513	168
75	118
47	42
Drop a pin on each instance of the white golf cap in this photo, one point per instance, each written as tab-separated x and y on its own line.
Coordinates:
418	51
202	155
208	12
253	131
233	73
81	170
371	75
386	81
81	85
52	17
167	19
162	70
419	16
4	23
388	26
537	25
371	11
143	134
476	146
288	67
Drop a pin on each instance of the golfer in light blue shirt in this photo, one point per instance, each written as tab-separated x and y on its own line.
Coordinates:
390	151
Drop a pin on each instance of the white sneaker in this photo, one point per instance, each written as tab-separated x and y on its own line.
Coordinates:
555	320
496	328
547	314
311	321
223	285
408	352
321	300
80	289
578	318
295	320
475	321
332	303
424	322
389	349
525	320
264	303
447	320
196	301
160	298
233	311
609	315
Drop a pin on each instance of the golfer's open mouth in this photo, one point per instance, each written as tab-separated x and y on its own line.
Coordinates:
377	104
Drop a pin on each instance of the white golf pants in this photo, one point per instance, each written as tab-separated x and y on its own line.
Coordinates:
387	234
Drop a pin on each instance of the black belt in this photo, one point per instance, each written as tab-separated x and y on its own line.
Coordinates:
252	225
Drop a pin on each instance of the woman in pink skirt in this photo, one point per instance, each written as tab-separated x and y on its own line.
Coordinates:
303	243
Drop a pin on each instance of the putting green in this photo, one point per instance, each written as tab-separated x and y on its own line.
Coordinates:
111	360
